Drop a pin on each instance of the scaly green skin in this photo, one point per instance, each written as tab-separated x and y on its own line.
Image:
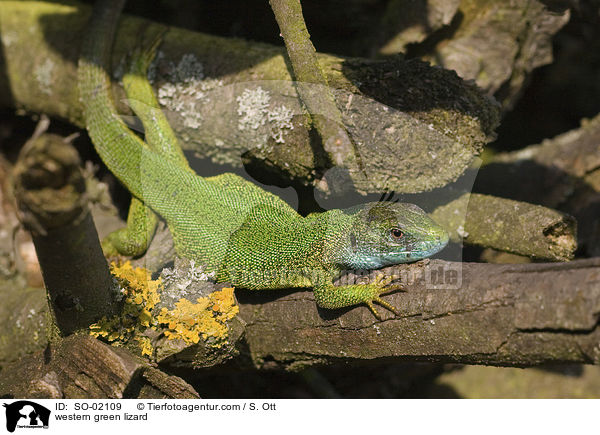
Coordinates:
248	236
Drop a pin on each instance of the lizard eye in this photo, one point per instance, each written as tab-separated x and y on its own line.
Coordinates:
396	233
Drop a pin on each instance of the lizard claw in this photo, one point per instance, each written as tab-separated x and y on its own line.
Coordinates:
150	51
373	310
386	305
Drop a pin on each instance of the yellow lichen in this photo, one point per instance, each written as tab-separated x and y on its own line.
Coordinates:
188	321
141	294
205	319
145	345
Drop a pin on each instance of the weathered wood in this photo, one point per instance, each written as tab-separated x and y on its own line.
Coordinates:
506	315
562	173
510	226
496	43
81	367
319	101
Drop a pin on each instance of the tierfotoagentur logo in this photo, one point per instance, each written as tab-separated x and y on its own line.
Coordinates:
25	414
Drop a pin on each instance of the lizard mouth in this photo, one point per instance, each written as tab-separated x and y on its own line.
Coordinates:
418	250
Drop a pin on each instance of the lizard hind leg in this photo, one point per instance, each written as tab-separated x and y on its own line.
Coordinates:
141	221
133	240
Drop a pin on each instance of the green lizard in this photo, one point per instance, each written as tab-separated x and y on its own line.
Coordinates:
247	236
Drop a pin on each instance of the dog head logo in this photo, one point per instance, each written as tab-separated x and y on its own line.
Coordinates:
26	414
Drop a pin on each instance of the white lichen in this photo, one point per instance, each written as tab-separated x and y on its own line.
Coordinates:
280	118
253	106
377	329
254	109
43	74
181	277
185	86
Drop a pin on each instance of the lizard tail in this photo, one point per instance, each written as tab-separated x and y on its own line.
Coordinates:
111	137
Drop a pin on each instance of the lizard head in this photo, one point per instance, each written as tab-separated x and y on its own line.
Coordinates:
385	233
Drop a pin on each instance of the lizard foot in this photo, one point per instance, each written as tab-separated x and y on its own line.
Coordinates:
380	286
329	296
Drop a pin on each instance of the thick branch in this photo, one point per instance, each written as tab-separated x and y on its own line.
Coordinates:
562	172
494	42
507	315
510	315
426	122
83	367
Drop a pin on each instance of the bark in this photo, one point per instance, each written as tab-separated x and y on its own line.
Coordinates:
509	226
404	23
509	315
319	101
506	315
496	43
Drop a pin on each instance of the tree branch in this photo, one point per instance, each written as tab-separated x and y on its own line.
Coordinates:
507	315
50	192
510	226
562	172
319	101
82	367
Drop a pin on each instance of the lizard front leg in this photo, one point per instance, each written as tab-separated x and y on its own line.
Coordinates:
329	296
